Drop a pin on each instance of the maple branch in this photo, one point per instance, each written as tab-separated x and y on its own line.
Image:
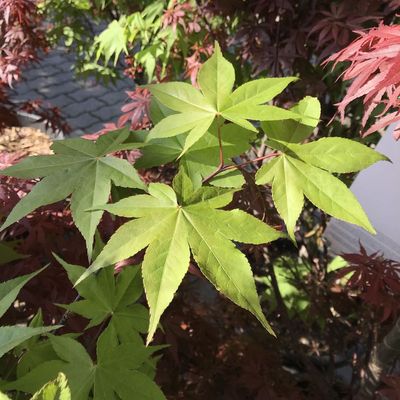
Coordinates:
241	165
282	309
67	313
238	166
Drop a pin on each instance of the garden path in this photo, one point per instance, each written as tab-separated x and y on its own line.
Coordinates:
85	104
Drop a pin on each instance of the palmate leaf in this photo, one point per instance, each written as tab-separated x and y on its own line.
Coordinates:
302	170
106	296
173	222
79	168
198	109
116	372
216	79
112	41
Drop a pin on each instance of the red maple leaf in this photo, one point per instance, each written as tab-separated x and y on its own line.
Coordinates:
175	15
376	279
334	26
375	75
137	111
193	63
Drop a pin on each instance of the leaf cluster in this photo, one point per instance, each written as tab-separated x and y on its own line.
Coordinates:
205	131
124	366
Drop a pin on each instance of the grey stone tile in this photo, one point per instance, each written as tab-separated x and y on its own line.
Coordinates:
64	76
82	122
108	113
86	104
96	92
61	101
95	127
64	88
47	70
44	82
77	108
55	59
124	84
22	88
20	97
34	73
115	98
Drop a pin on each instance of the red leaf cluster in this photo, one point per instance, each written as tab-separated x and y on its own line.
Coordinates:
138	110
176	15
374	71
137	113
51	116
20	37
375	278
193	63
334	26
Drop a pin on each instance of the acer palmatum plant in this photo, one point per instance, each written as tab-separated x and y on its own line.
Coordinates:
334	27
375	279
374	59
205	133
22	39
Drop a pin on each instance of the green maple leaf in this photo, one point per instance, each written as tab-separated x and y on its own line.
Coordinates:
54	390
115	375
8	252
171	223
305	170
105	296
112	41
79	168
12	336
293	131
197	109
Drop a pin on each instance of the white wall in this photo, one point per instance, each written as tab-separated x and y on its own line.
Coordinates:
378	190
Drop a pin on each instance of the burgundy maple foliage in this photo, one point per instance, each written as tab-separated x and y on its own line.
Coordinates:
333	27
375	278
21	37
22	40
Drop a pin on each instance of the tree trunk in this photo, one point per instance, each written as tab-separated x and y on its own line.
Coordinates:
381	361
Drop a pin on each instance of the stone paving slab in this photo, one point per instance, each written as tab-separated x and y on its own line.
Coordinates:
85	104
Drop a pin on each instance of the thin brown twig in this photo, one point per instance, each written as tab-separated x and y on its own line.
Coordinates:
238	166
